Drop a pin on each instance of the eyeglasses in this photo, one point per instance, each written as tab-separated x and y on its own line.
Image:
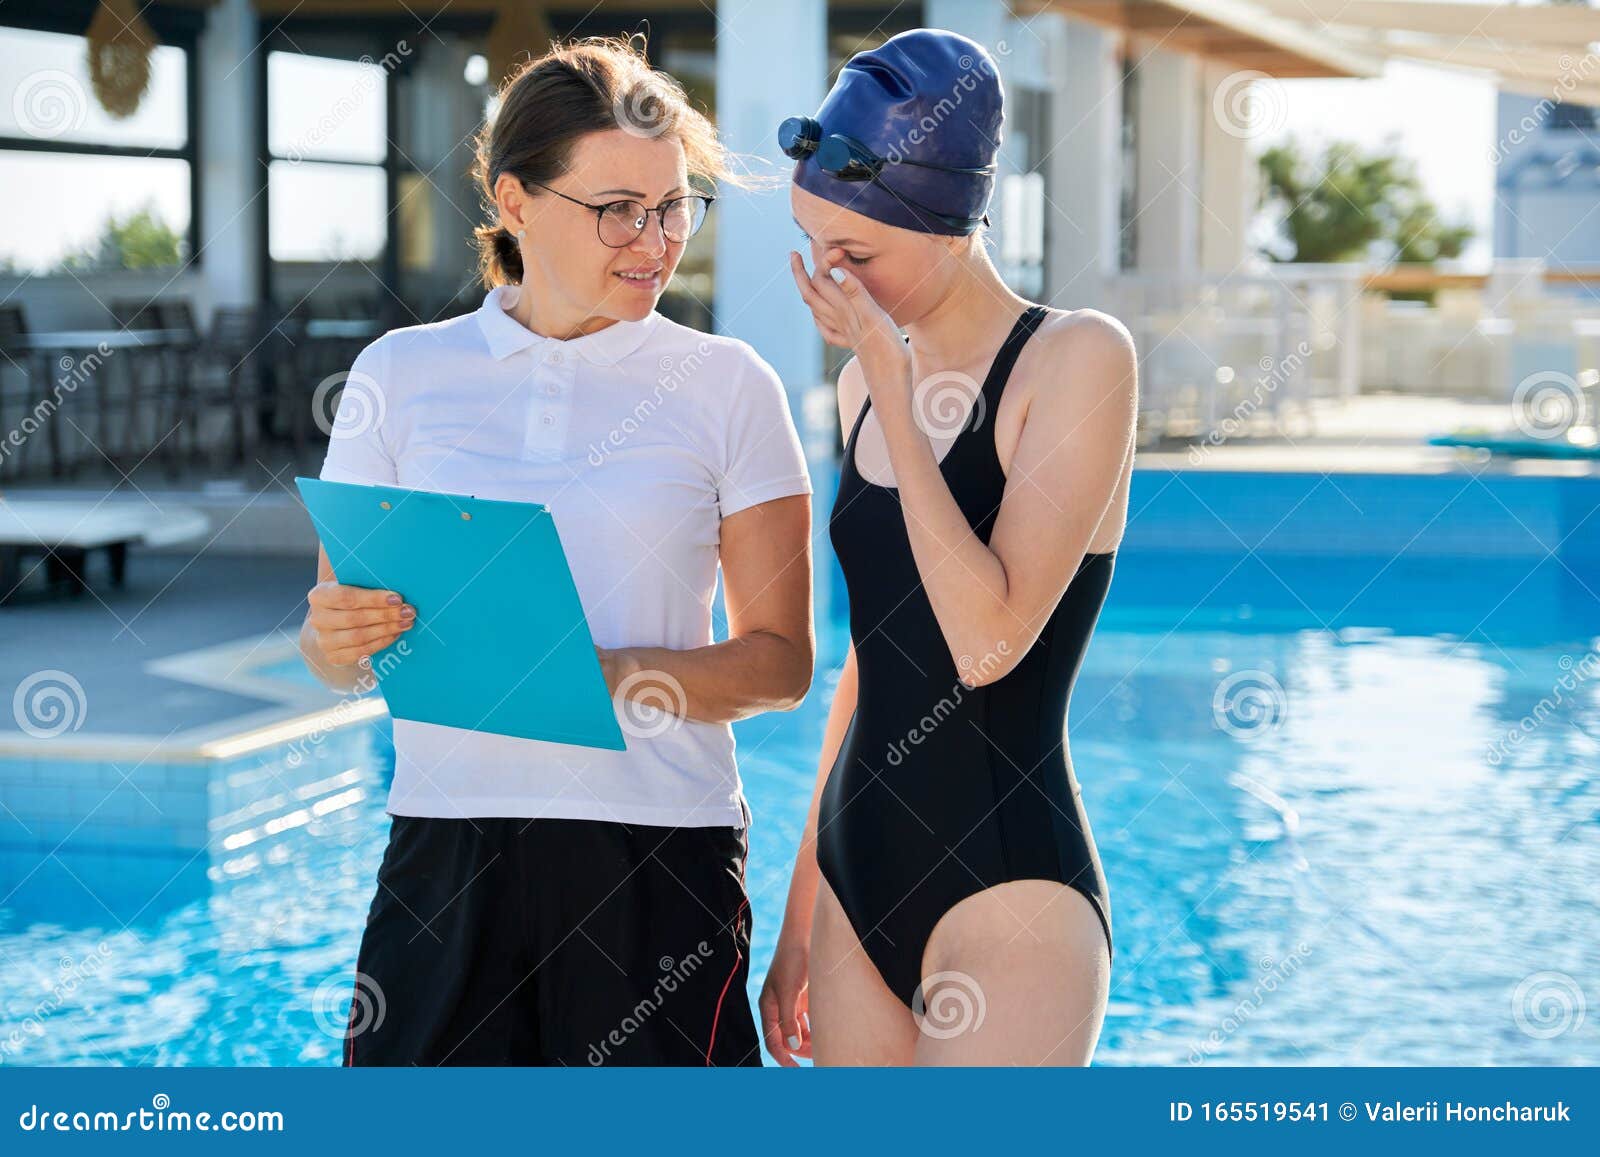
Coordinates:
619	223
847	159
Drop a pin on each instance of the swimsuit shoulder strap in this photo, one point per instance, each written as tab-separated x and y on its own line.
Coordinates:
1006	359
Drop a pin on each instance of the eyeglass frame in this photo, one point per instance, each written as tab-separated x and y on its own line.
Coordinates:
660	211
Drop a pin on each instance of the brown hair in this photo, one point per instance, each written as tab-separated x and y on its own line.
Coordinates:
548	104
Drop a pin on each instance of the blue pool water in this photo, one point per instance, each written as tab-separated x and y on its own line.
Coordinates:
1345	804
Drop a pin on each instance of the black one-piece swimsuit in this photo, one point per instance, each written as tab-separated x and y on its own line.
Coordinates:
942	790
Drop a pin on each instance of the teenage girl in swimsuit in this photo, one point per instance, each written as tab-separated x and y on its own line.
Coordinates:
947	904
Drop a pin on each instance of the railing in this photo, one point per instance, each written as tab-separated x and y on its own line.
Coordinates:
114	398
1241	351
1245	352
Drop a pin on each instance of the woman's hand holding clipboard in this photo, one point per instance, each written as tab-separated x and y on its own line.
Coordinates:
499	642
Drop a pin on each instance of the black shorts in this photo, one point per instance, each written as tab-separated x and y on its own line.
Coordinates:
555	942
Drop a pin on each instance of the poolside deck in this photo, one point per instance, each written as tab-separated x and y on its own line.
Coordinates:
192	651
1376	434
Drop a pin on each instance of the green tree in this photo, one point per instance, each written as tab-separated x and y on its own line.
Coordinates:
1348	205
142	241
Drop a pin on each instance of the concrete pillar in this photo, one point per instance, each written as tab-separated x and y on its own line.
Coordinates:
989	23
230	256
1168	144
1228	180
1083	174
771	63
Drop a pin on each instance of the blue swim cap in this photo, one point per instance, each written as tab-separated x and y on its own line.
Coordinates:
908	134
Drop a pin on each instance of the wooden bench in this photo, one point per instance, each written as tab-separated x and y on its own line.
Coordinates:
65	532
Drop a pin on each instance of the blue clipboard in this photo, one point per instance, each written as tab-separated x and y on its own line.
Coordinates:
500	642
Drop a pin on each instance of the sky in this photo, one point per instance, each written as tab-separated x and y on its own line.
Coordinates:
1445	122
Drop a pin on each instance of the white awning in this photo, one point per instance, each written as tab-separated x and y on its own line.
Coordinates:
1541	49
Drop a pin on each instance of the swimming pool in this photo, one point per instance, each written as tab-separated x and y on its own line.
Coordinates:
1343	796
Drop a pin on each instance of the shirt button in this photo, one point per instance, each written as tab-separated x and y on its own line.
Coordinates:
549	420
552	389
556	358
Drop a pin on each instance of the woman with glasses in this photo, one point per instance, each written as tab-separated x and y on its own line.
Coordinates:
541	903
947	904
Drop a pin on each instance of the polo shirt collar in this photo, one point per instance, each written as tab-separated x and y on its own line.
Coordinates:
506	335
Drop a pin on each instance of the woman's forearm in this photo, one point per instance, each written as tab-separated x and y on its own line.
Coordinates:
734	679
965	580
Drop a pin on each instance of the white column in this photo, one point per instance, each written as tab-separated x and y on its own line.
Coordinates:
1084	172
989	23
1228	172
771	63
982	20
1168	143
230	256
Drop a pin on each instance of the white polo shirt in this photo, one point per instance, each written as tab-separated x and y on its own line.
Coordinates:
640	438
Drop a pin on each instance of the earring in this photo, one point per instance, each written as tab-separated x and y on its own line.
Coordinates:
521	233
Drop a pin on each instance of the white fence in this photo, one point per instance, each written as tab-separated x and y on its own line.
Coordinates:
1250	352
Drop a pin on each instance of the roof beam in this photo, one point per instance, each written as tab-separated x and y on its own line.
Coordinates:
1568	25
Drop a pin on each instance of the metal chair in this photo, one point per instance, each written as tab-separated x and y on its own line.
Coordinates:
137	315
233	347
16	364
174	402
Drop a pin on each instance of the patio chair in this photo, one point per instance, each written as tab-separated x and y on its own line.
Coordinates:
227	363
173	401
16	379
137	315
281	412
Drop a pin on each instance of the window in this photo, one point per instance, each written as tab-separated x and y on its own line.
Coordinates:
83	190
327	134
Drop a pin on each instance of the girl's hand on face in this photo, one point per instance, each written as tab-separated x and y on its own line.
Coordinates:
848	317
